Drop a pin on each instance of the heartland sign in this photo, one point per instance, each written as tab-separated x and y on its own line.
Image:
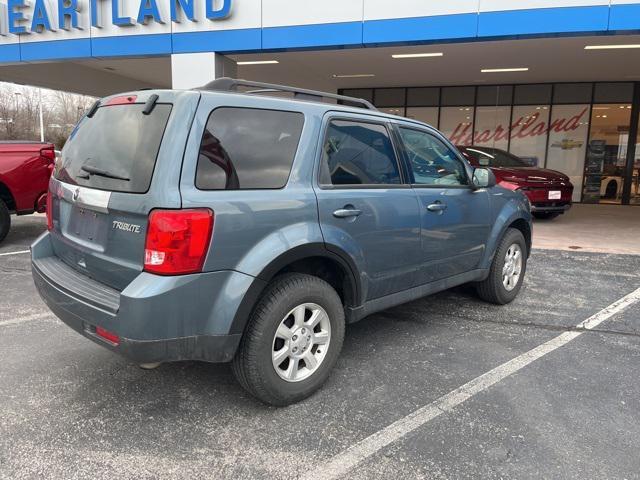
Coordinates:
523	127
21	17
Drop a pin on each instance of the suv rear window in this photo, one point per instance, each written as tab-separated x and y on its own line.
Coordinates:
116	149
248	148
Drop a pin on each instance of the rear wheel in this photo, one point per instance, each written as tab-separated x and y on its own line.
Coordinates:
545	215
5	220
292	341
507	270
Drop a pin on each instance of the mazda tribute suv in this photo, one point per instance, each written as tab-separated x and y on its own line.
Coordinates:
247	223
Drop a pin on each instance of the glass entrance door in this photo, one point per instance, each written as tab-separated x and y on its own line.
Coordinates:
604	170
635	177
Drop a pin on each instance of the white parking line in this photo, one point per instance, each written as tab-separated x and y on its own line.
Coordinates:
28	318
21	252
339	465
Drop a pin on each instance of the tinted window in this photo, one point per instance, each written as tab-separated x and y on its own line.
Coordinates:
492	157
423	97
532	94
358	154
498	95
572	93
458	96
613	92
118	141
389	97
432	162
245	148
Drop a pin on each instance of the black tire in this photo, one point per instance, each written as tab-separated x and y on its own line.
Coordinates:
5	220
492	288
545	215
252	365
612	190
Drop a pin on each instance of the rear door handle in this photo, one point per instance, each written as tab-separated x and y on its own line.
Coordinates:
347	213
437	207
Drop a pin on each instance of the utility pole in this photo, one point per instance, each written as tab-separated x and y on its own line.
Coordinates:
14	122
41	117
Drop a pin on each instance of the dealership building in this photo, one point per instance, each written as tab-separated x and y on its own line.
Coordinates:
555	82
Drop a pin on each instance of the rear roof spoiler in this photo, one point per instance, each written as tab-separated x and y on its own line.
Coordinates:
226	84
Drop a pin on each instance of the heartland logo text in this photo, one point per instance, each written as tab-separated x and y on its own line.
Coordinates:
22	17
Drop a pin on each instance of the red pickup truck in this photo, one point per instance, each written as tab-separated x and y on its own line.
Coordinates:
25	169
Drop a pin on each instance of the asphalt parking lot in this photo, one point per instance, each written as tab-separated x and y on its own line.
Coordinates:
541	399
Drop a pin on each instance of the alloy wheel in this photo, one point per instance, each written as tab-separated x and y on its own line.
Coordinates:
512	268
301	342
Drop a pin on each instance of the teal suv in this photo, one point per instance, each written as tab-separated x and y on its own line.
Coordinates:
248	223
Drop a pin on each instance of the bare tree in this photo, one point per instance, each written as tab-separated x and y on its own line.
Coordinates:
20	113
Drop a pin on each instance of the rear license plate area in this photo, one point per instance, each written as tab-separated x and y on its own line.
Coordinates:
86	226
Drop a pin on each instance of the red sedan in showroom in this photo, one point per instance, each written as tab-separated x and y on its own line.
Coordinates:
548	191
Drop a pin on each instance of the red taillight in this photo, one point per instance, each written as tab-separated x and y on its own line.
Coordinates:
49	210
177	241
111	337
49	155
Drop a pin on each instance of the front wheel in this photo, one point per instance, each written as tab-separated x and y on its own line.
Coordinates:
5	220
507	270
292	340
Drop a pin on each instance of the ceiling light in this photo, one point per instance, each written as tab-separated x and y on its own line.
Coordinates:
259	62
354	75
610	47
417	55
500	70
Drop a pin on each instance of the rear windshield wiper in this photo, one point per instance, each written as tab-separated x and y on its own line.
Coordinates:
103	173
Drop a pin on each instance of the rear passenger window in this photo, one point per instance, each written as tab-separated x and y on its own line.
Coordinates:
247	148
358	153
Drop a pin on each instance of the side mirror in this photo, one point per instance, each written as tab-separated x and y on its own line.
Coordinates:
483	178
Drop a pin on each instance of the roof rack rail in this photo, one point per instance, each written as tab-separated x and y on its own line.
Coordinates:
226	84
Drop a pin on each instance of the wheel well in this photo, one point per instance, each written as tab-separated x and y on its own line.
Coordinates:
525	229
329	270
5	195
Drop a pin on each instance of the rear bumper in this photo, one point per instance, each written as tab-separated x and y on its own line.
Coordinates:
157	319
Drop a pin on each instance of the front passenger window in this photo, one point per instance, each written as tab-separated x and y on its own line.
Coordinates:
432	162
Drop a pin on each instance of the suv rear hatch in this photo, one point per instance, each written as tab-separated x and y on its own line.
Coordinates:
107	181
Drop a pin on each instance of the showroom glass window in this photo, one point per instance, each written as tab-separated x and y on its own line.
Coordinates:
456	114
390	100
549	126
635	178
493	116
529	128
422	105
568	131
605	164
